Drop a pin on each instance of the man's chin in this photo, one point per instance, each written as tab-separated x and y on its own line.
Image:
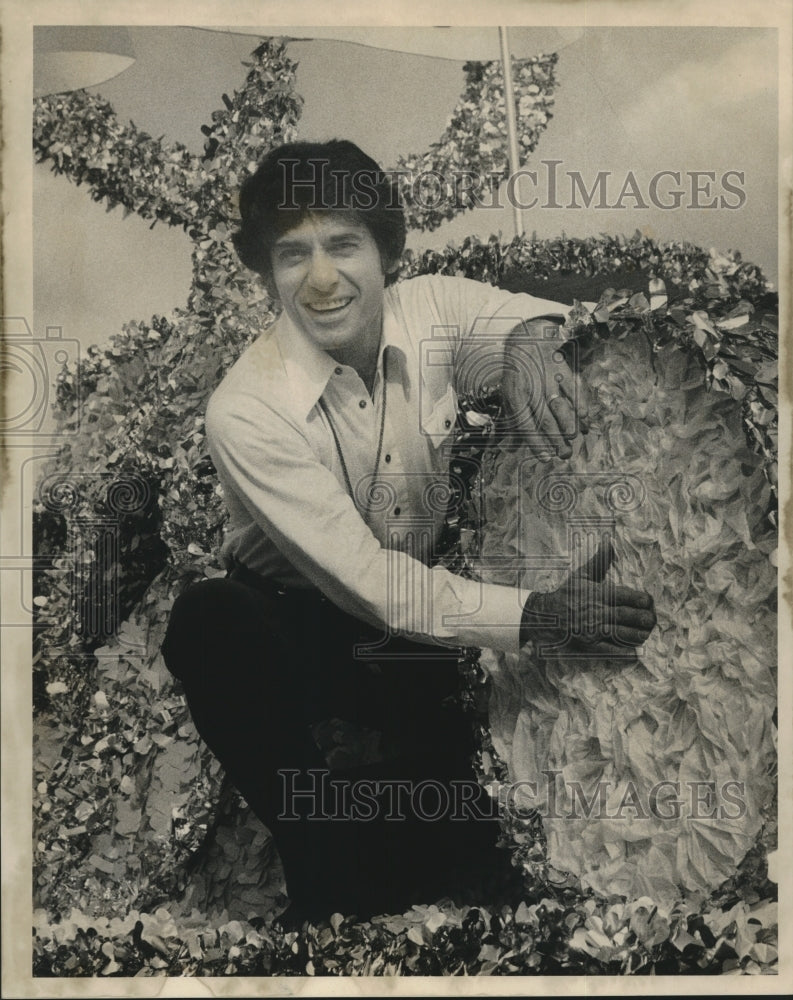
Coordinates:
332	340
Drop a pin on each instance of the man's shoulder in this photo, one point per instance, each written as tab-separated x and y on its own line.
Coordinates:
439	292
459	296
445	300
427	284
446	289
255	379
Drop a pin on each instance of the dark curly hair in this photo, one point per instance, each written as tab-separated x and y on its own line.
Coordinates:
300	178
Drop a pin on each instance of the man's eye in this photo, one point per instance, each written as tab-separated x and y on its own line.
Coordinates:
290	256
347	247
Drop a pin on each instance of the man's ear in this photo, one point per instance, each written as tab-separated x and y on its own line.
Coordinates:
390	266
269	284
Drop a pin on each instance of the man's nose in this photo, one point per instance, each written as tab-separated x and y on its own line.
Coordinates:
322	274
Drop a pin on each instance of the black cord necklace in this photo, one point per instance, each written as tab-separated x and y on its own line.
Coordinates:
332	426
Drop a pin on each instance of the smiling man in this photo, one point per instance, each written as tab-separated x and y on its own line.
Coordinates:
328	274
331	439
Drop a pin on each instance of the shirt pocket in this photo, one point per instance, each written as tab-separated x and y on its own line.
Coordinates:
438	426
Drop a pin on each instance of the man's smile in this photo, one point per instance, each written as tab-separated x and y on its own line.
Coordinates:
328	306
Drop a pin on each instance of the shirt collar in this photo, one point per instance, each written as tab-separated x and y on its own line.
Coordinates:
395	334
309	368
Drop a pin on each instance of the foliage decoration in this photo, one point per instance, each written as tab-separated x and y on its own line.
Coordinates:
469	161
543	938
713	305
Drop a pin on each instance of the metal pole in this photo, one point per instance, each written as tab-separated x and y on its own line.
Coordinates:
512	127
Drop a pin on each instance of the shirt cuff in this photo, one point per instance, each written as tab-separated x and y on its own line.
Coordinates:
494	619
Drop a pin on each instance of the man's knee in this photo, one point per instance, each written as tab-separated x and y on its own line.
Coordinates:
206	622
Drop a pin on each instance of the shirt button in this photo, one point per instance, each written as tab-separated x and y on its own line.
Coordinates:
362	404
388	458
339	371
397	511
447	424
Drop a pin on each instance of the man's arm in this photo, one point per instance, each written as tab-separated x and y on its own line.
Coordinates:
306	512
544	402
514	341
518	338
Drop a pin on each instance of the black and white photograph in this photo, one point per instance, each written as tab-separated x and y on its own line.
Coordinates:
395	551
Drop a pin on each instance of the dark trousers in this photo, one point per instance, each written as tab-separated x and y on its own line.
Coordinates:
259	667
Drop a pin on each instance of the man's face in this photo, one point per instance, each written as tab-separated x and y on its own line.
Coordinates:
329	277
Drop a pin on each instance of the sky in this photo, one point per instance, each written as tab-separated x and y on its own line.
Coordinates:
629	101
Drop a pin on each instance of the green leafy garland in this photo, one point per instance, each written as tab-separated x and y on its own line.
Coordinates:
543	938
475	142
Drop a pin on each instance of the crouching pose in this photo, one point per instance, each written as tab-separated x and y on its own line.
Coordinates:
331	438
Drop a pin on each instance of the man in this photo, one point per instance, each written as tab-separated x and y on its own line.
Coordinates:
330	437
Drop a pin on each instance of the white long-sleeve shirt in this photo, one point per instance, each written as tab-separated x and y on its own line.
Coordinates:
292	518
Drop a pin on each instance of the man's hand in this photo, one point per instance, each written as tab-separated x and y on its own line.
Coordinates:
587	616
544	402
